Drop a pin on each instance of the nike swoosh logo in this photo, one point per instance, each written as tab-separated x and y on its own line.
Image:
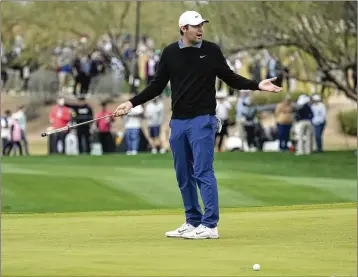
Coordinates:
202	56
197	16
182	231
199	232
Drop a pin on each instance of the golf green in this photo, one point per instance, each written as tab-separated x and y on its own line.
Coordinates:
106	216
285	241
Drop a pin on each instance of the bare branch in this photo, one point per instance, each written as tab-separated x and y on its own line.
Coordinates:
124	15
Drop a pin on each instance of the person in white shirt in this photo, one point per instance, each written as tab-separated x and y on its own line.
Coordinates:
133	124
154	113
21	117
318	120
242	94
223	107
151	66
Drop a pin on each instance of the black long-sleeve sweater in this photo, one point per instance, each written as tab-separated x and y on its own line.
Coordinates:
192	73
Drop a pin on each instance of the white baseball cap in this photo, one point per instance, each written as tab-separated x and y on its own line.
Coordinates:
316	97
303	99
191	18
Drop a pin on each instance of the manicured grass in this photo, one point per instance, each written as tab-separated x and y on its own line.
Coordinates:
285	241
69	184
342	164
106	216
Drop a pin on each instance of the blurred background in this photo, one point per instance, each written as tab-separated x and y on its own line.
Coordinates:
68	62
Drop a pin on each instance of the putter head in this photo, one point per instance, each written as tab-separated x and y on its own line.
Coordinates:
43	135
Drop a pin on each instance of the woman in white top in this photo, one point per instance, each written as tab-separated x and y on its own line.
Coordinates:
318	120
21	117
223	107
133	125
154	113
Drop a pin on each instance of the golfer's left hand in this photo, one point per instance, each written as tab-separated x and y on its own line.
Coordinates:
123	109
267	85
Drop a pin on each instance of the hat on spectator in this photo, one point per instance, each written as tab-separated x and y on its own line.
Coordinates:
316	97
303	99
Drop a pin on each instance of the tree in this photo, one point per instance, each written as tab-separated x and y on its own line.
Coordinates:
46	24
326	31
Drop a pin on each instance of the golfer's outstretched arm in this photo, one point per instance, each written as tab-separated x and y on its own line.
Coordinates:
232	79
156	86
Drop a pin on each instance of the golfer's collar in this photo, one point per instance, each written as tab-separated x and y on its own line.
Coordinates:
182	45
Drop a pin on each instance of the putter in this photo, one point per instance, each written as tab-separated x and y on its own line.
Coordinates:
72	126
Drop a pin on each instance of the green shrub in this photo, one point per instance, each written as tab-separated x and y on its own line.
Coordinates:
348	122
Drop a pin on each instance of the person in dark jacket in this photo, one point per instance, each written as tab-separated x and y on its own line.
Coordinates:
82	112
249	114
303	126
82	68
192	66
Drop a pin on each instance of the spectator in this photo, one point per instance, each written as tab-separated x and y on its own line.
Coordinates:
255	70
239	109
60	117
275	69
21	117
133	123
223	107
82	73
249	120
303	127
284	119
154	113
4	78
15	137
237	65
5	129
64	66
104	126
97	68
117	70
25	75
71	143
318	120
82	112
151	67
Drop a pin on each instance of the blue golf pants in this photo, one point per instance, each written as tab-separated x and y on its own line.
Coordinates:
192	143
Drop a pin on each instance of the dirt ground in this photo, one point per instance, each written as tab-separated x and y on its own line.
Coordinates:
333	137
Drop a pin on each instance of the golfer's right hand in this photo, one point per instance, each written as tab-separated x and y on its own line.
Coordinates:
123	109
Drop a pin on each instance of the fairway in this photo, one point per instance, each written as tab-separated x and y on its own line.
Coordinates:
106	216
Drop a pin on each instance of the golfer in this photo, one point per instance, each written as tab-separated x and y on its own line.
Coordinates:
192	65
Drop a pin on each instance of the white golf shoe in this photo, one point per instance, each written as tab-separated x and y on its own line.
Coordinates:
178	233
202	232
